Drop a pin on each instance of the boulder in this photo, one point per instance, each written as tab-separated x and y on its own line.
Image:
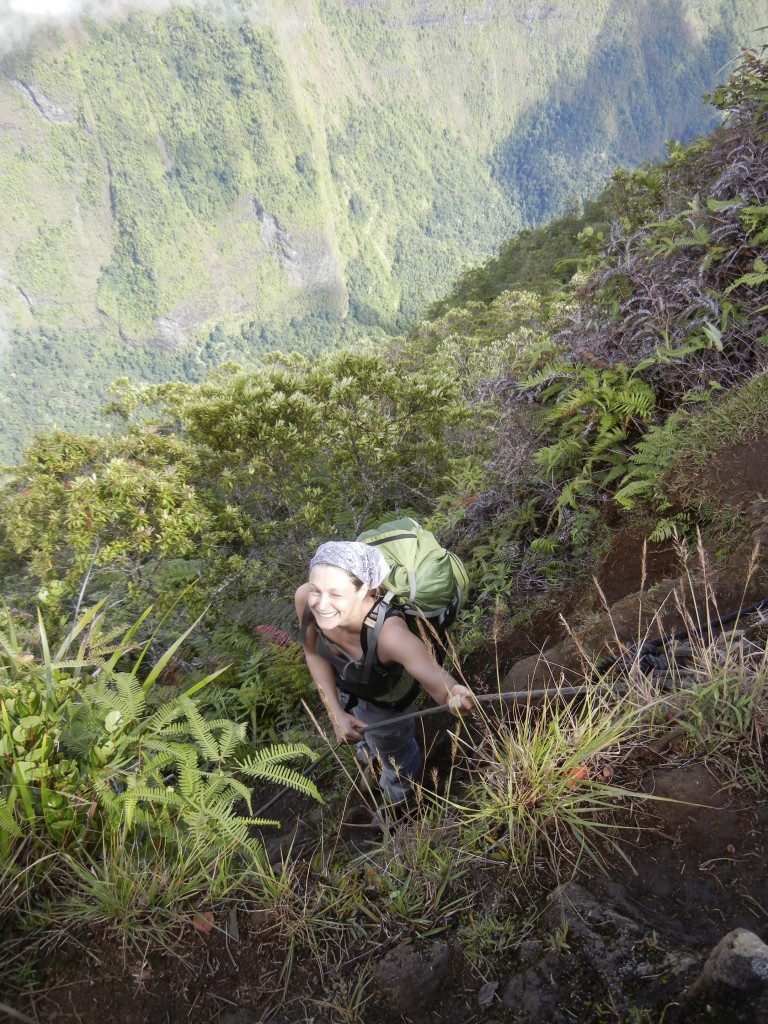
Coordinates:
735	977
410	979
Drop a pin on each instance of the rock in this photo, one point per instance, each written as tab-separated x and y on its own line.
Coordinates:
50	110
603	951
408	978
556	666
578	912
739	962
537	995
308	259
171	335
632	616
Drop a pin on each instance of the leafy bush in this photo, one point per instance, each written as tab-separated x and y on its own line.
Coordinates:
85	757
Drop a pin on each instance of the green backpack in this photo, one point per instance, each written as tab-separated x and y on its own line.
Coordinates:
425	581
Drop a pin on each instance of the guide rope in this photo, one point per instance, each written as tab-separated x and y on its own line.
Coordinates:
645	656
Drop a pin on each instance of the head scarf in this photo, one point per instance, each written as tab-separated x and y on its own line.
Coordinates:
362	560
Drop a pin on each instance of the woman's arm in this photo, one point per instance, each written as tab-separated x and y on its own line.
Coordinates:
346	727
398	644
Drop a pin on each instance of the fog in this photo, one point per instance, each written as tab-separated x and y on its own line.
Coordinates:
21	19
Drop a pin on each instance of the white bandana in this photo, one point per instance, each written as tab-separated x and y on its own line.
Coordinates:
362	560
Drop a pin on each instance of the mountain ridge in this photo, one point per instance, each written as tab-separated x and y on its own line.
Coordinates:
376	139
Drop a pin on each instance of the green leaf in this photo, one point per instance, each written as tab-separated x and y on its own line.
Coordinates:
169	653
46	657
113	720
78	628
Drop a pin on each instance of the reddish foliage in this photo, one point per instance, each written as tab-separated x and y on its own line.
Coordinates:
273	635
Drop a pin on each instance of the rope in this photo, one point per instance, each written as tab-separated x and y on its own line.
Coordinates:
508	697
648	661
651	655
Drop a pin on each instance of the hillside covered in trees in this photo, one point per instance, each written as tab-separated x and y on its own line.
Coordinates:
194	183
153	695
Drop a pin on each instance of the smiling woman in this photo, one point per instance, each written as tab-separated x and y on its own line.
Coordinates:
337	607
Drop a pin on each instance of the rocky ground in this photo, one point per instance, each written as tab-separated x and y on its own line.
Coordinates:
675	934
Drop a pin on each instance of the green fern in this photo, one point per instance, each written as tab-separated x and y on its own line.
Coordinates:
665	529
646	465
627	495
555	374
595	412
583	525
9	827
572	491
560	455
545	545
122	692
268	764
186	781
755	221
758	276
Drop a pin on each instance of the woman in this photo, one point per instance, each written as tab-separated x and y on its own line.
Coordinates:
337	609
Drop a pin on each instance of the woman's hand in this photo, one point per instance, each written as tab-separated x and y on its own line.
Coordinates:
348	729
459	700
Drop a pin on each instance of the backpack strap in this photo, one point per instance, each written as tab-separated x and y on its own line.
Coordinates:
304	623
373	622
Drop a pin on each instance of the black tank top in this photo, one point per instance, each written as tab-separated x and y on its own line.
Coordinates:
387	686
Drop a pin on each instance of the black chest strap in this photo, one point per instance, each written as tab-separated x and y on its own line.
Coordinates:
373	622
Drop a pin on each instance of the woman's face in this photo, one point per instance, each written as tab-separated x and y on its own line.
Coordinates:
334	599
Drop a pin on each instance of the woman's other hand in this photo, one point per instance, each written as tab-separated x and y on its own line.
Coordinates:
460	700
348	729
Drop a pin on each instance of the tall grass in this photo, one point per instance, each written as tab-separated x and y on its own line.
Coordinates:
540	788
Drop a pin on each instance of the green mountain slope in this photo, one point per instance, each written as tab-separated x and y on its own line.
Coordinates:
181	188
155	701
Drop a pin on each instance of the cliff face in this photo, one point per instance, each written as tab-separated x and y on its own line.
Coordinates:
307	169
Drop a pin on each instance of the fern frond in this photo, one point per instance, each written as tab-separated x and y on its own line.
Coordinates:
75	663
128	801
609	437
187	765
545	545
625	495
665	529
176	724
164	756
221	830
161	719
275	754
281	775
558	368
556	456
200	729
104	792
616	472
571	491
118	692
583	526
231	736
8	824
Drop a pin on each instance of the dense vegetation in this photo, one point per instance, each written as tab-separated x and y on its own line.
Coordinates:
196	189
143	680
